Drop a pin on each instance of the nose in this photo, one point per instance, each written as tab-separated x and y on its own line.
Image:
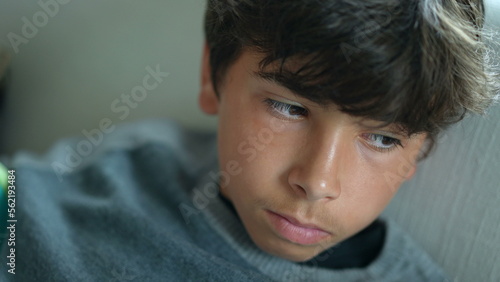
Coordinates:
315	174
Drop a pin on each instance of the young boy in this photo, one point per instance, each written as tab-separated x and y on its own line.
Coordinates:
324	109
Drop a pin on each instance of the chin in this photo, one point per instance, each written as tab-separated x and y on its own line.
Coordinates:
295	257
291	251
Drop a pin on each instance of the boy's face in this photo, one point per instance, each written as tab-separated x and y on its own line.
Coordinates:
302	176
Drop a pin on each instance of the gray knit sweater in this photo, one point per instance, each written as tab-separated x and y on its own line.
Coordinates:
139	205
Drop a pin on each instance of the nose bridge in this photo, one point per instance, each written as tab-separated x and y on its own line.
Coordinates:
316	173
323	151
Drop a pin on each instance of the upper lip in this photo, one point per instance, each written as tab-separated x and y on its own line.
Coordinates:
297	222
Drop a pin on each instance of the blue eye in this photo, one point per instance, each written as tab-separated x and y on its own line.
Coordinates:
382	142
286	110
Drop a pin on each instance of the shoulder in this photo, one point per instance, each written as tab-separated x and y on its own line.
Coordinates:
144	167
402	259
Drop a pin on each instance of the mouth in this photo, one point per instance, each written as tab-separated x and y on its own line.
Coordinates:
293	230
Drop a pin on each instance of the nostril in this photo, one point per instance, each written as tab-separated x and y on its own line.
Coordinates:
300	190
333	195
313	185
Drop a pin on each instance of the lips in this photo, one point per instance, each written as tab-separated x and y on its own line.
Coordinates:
291	229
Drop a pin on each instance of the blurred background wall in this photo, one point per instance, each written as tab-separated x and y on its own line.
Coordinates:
66	77
71	70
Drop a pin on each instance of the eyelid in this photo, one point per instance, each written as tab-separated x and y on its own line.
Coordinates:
281	99
273	107
293	103
387	134
395	134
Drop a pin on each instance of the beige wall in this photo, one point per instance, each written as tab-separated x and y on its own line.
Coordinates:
68	75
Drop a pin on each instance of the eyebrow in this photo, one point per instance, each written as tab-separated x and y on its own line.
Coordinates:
295	88
273	77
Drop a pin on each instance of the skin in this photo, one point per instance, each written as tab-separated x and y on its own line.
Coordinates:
313	163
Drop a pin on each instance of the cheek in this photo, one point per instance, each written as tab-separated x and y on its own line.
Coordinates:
366	190
240	143
387	170
261	151
373	192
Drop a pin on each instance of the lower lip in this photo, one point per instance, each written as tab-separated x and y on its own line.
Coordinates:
294	233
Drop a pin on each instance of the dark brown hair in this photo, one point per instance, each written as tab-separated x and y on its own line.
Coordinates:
416	63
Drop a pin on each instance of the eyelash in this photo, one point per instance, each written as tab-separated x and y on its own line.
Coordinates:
393	142
279	109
